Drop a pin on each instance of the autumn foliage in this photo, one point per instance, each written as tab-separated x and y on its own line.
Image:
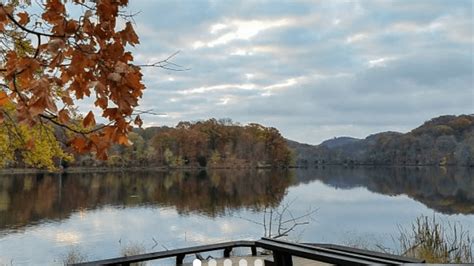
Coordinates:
208	144
51	61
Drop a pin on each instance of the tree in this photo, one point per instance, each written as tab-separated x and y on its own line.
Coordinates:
51	62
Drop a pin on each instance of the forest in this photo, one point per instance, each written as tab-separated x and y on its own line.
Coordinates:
445	140
202	144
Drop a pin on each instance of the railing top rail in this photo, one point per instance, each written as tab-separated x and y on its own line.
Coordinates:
322	254
329	253
368	252
170	253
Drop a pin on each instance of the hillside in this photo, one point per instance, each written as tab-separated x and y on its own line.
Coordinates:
445	140
211	143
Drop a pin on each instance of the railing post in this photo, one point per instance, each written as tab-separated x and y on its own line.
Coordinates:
179	259
227	252
254	250
282	258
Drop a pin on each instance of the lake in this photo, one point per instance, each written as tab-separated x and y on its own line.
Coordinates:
43	217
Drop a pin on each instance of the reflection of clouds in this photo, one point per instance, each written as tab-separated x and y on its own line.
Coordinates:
168	213
227	228
68	238
334	195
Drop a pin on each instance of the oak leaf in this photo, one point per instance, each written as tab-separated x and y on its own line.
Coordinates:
63	116
4	99
128	35
89	120
24	18
79	144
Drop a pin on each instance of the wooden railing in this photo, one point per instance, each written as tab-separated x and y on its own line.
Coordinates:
282	254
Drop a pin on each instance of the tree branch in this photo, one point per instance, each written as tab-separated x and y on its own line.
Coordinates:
28	30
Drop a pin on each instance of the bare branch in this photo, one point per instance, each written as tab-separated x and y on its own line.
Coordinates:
28	30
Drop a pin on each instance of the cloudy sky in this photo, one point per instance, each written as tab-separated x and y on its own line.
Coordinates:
312	69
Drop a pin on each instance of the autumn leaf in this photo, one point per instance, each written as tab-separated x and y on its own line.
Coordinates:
129	35
4	98
79	144
138	121
78	55
24	18
101	102
71	27
63	116
123	140
38	107
89	120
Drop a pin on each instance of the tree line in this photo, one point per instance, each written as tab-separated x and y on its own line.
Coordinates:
211	143
444	140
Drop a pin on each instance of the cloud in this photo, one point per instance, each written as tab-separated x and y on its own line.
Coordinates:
314	70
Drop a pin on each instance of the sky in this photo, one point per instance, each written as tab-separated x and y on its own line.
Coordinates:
312	69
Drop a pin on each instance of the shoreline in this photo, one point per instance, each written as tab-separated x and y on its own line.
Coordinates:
101	169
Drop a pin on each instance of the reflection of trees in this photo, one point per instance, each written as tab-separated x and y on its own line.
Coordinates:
446	190
29	198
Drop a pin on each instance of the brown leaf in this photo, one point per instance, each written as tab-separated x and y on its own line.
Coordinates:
63	116
79	144
67	100
129	35
101	102
71	27
123	140
38	107
89	120
4	99
138	121
24	18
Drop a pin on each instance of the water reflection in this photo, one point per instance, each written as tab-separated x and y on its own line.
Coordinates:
42	216
27	199
445	190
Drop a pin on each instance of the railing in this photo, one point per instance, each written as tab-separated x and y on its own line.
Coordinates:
282	254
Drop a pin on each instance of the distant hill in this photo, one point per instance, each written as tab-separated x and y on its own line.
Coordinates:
444	140
338	142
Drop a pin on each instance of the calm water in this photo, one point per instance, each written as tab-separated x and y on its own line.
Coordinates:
43	217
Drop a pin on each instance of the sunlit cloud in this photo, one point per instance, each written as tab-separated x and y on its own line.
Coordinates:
240	30
222	87
356	37
379	62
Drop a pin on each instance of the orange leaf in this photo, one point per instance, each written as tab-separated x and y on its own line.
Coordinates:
67	100
123	140
71	27
30	144
79	144
38	107
63	116
4	98
24	18
129	35
101	102
89	120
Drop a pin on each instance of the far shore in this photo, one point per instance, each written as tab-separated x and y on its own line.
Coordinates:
104	169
